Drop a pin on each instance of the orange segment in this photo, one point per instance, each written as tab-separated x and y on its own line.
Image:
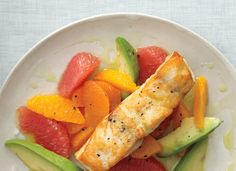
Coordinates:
77	97
73	128
118	79
149	147
113	93
55	107
200	101
96	103
181	113
81	137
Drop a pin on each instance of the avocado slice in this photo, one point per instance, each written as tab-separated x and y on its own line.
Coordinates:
186	135
194	159
38	158
127	61
169	162
127	58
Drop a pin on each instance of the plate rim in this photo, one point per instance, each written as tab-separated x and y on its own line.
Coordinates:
37	45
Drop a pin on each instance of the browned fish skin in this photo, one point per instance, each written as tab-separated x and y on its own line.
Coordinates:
137	116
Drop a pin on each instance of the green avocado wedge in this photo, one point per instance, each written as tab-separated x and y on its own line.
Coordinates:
194	159
37	158
186	135
169	162
127	58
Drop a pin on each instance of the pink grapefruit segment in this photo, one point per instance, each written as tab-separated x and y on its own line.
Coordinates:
49	133
150	58
78	70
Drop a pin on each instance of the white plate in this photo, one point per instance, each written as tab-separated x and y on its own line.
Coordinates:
36	71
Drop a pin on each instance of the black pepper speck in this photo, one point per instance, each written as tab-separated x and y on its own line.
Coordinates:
122	129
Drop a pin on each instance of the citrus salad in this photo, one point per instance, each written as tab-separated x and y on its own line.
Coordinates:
146	113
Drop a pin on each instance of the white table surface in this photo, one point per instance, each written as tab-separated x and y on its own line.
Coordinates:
24	22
